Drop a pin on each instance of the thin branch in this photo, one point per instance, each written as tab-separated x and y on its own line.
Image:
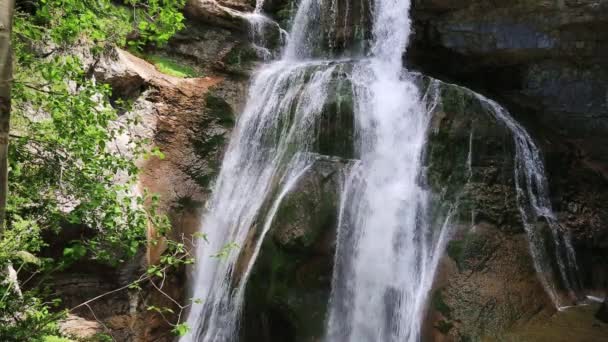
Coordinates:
100	322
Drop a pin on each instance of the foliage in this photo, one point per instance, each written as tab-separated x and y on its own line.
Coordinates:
30	318
55	339
66	169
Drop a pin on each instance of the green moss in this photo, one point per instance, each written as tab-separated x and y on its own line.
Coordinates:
285	14
466	251
444	326
240	57
454	249
55	339
171	67
289	286
457	100
440	305
447	159
217	107
314	213
336	129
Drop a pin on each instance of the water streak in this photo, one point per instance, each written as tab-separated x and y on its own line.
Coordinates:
260	162
387	252
535	207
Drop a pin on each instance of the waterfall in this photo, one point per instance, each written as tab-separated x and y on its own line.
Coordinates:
260	162
535	206
387	250
386	255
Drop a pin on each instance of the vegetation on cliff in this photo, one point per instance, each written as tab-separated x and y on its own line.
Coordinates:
67	166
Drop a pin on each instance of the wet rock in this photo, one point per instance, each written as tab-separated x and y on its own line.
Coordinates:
486	279
339	28
545	58
546	62
336	128
289	287
222	50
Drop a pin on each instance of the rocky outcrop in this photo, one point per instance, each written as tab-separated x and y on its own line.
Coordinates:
486	282
189	120
547	59
225	14
546	55
546	62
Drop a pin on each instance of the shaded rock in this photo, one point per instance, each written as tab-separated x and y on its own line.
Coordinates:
334	133
546	59
340	28
546	62
123	314
486	282
217	49
288	291
602	313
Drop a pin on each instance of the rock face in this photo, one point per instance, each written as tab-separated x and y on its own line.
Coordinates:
189	120
546	62
547	58
549	55
486	283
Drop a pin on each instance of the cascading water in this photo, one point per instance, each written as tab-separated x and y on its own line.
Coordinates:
387	251
534	206
386	255
260	161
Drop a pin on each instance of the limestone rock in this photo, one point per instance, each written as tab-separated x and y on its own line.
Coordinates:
80	327
227	14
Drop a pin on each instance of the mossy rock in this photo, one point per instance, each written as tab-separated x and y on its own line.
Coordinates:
469	251
241	59
335	131
219	109
289	287
438	304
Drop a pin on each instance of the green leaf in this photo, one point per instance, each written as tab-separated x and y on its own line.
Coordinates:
181	329
28	258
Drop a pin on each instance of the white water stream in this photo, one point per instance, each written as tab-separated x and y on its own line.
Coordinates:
535	208
387	252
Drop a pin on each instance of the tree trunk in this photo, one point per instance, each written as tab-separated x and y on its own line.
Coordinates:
6	68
